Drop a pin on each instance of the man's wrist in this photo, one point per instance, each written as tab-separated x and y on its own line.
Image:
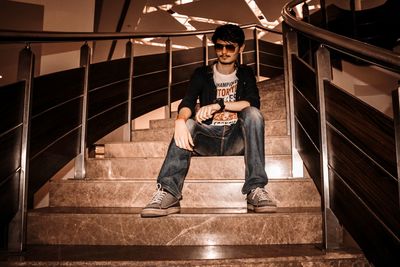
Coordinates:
220	102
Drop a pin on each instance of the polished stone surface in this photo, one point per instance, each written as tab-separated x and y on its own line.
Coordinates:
277	166
112	226
260	255
196	193
273	124
274	145
272	128
213	229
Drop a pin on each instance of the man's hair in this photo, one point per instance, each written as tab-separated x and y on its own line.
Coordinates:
228	33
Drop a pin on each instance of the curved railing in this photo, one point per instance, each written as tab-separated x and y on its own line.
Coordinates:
350	149
49	120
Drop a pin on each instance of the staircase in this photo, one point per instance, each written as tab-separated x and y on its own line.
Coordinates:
96	221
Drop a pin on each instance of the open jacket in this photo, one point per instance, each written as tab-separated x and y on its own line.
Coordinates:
202	87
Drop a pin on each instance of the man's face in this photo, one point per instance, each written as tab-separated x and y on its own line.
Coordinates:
227	52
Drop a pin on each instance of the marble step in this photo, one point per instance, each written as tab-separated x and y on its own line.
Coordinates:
164	130
271	106
124	226
276	113
273	127
271	95
183	256
274	145
196	193
220	167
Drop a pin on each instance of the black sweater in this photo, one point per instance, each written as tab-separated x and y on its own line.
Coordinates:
202	87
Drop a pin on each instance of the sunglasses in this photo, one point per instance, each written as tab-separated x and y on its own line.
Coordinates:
228	47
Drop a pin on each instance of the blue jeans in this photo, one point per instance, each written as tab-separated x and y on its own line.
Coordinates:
245	137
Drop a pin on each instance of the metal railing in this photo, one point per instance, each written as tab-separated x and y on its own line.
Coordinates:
328	43
17	228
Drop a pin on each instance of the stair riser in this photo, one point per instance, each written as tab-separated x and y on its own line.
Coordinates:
270	106
196	194
273	146
278	113
129	229
272	95
273	128
217	167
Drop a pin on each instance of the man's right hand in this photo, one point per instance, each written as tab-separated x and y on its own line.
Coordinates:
182	136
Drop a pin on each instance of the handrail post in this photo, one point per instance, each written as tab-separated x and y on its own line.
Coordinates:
129	54
169	53
324	21
332	232
306	17
80	164
18	225
396	119
205	48
290	48
257	52
354	18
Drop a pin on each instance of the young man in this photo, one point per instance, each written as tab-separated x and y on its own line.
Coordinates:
228	123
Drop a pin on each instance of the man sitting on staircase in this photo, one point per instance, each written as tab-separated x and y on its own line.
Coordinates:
227	123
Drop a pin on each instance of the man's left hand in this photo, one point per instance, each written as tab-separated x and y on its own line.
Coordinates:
206	112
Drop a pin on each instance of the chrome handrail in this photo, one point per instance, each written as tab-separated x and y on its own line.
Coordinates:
7	36
379	56
329	41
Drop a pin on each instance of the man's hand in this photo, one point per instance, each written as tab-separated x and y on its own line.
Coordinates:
182	136
206	112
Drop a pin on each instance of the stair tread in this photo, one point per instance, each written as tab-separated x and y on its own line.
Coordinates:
239	157
194	226
197	193
184	211
278	166
81	255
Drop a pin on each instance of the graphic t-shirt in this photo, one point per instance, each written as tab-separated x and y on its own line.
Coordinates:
226	88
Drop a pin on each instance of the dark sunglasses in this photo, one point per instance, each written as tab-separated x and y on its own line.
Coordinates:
228	47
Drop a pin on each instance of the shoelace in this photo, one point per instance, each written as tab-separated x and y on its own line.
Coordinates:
261	194
158	195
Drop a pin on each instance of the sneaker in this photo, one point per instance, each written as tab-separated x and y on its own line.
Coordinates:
259	200
162	203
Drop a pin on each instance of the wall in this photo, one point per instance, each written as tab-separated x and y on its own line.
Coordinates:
373	85
18	16
61	15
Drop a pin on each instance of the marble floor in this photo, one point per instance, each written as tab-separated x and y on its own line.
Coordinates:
179	256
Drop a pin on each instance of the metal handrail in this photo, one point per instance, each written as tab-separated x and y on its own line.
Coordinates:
372	54
328	41
7	36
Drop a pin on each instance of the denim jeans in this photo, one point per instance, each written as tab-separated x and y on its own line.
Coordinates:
245	137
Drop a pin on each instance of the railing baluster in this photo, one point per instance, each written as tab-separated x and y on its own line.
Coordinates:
257	52
80	164
18	225
205	47
396	119
129	54
306	18
324	18
290	48
332	232
169	53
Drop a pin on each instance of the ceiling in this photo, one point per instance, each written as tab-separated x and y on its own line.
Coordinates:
181	15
